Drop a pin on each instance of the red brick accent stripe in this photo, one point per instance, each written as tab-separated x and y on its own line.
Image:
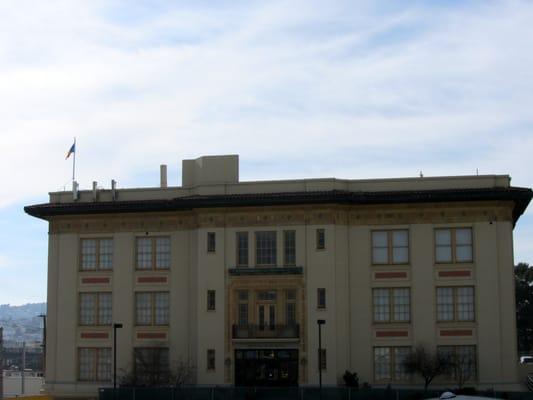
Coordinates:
454	274
389	275
151	335
95	279
94	335
456	332
392	334
152	279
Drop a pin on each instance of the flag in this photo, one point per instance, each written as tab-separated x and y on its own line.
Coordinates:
72	150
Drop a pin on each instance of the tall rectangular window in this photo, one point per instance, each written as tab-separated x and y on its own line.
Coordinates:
290	307
152	308
94	364
265	248
153	253
391	304
390	247
95	308
211	300
211	242
96	254
320	239
464	361
151	365
321	298
211	364
242	249
389	363
455	303
453	245
242	303
289	248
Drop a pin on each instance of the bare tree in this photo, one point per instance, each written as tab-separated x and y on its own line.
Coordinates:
463	367
152	370
182	373
426	364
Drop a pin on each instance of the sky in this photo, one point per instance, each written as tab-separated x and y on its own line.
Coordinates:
299	89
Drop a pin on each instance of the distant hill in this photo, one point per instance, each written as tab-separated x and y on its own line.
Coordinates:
21	323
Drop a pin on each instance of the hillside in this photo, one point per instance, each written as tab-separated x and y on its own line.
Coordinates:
21	323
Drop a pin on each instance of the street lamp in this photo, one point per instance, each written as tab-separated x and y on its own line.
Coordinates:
320	322
115	327
43	316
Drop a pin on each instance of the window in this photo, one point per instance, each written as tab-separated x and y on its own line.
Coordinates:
267	295
242	304
289	247
242	249
388	363
390	247
151	365
453	245
392	304
211	360
455	303
265	248
320	239
463	360
211	242
321	298
96	254
152	308
94	364
95	308
153	253
322	359
290	307
211	300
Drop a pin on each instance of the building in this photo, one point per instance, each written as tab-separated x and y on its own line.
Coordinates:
231	277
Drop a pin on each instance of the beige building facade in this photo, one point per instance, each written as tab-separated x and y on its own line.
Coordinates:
228	279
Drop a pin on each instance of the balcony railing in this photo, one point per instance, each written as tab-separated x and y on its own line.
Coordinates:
266	331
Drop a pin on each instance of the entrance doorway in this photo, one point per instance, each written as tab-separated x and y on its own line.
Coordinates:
266	367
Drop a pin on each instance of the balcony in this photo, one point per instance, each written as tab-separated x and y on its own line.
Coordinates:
266	331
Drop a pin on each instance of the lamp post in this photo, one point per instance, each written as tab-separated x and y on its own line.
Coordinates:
43	316
320	322
115	327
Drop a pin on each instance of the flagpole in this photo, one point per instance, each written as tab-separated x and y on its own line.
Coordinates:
74	162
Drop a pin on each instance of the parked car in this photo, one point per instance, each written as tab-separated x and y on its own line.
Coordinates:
453	396
526	360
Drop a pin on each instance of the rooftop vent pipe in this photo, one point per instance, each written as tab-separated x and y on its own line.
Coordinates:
163	171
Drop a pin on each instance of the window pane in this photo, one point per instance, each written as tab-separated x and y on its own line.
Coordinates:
87	309
162	255
290	247
380	255
88	254
400	354
103	368
465	303
243	314
144	253
291	313
379	239
321	298
466	357
320	239
143	308
400	255
87	359
382	363
443	254
463	253
444	304
162	302
401	304
400	239
211	242
242	248
381	305
106	253
266	248
105	308
463	236
443	237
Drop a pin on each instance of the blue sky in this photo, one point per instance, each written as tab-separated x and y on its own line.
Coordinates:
350	89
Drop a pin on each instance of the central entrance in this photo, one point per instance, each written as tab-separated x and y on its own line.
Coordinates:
262	367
